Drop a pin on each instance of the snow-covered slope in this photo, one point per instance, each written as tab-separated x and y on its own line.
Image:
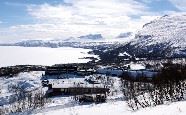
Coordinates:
29	81
163	37
116	108
167	33
167	29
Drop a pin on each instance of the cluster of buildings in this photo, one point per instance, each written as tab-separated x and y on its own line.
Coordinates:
69	79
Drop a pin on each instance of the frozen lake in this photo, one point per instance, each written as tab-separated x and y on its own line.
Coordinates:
15	55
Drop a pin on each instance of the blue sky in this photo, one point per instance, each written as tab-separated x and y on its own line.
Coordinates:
60	19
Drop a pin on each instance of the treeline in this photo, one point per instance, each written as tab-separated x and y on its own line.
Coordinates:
14	70
167	86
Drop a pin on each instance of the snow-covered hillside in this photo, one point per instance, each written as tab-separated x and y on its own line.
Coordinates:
115	108
28	81
168	31
163	37
13	55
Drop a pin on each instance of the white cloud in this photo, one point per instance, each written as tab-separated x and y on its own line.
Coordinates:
79	17
30	31
149	1
93	16
87	12
180	4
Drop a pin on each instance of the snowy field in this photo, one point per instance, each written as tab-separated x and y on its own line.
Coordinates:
14	55
117	108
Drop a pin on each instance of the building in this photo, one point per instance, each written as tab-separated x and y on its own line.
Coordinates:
83	89
60	69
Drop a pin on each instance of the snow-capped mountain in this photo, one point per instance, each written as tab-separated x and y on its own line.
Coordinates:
167	29
167	33
125	35
83	38
92	37
162	37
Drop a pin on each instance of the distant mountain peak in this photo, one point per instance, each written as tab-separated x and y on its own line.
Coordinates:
125	35
91	36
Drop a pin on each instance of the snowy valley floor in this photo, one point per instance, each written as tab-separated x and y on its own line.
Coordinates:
115	108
